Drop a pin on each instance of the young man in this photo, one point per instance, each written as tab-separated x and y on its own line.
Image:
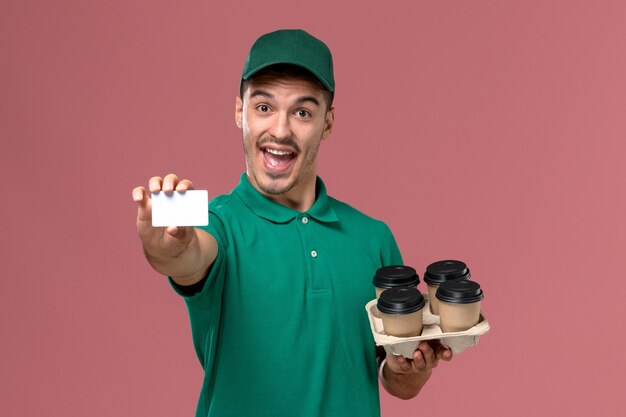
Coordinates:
277	283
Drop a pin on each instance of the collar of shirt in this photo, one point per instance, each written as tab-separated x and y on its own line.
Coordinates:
277	213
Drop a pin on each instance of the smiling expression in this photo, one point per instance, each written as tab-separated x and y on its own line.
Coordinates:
283	121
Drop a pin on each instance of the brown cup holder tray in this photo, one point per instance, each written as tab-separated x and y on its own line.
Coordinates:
405	346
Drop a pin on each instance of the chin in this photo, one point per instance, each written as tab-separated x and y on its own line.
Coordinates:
275	187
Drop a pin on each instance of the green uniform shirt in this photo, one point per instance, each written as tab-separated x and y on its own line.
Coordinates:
280	326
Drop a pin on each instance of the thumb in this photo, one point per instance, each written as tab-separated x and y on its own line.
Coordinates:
179	232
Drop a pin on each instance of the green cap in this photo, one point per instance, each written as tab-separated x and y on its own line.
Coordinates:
295	47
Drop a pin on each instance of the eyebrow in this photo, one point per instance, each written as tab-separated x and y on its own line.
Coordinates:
263	93
310	99
300	100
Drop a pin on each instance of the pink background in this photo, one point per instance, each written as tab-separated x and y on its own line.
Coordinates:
487	131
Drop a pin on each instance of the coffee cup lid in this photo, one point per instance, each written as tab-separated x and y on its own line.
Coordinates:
396	276
441	271
401	300
459	291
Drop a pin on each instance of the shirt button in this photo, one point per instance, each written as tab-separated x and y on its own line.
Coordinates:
305	220
314	254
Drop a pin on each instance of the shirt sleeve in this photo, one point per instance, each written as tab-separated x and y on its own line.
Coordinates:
208	291
393	255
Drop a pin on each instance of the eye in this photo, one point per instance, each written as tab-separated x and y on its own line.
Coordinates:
263	108
303	113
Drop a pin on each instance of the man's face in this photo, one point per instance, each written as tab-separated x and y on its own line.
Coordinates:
283	122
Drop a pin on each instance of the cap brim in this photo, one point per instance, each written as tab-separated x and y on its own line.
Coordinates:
253	71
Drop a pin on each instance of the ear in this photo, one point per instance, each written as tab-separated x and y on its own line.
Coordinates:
238	112
329	122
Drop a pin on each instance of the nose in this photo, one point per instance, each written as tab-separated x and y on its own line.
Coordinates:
280	126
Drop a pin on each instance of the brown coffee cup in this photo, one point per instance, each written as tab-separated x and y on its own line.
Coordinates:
439	272
459	305
394	276
401	311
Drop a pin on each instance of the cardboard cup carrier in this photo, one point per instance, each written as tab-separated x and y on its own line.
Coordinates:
457	340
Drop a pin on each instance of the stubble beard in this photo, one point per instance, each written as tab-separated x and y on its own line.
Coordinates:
273	187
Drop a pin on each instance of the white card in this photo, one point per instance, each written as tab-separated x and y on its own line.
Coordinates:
190	208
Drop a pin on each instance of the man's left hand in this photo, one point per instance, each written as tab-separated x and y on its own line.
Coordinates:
425	358
404	378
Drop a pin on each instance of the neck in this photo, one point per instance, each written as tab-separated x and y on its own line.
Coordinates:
300	198
300	201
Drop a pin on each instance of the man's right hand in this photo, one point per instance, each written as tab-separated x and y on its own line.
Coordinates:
183	253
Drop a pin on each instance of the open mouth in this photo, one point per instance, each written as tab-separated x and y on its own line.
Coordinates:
278	160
